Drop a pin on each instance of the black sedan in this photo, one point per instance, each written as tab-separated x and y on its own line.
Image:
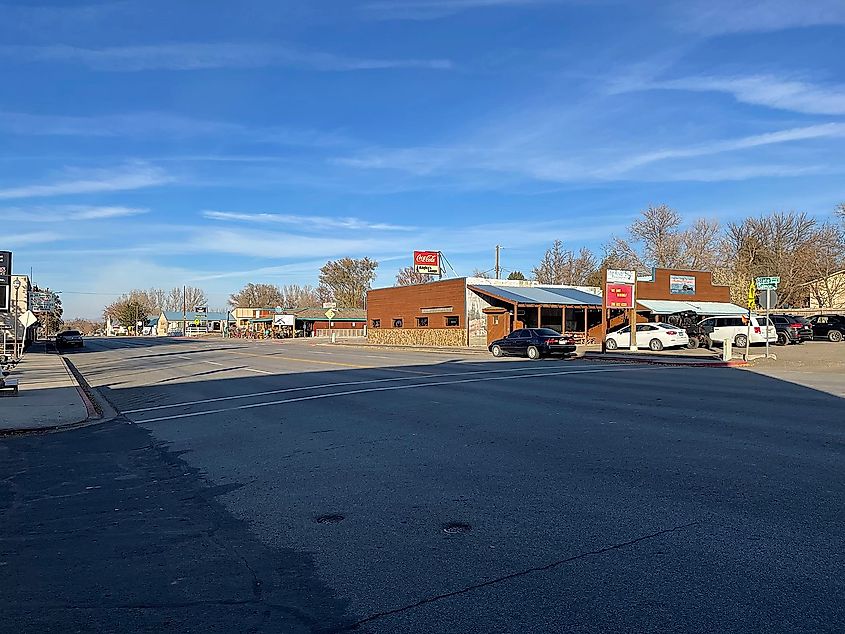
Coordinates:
69	339
533	343
830	327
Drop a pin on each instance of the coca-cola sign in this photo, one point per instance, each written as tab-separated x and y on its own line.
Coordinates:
427	262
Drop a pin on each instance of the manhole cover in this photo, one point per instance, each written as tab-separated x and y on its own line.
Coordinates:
329	519
453	528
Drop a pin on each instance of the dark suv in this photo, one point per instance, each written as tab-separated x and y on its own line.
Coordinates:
830	327
69	338
791	329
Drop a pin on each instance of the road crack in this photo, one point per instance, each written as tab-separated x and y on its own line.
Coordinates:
513	575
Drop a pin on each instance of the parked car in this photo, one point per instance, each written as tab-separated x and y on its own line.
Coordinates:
69	339
533	343
830	327
655	335
735	328
791	329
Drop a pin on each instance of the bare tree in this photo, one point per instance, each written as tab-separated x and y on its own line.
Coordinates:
408	277
562	266
257	296
826	267
482	274
349	279
296	296
657	230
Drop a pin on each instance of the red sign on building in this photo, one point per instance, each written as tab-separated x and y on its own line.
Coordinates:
427	262
620	295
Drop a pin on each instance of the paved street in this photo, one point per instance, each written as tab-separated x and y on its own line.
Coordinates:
292	487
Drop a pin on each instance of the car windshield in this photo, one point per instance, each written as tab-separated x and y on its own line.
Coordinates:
547	332
71	333
668	326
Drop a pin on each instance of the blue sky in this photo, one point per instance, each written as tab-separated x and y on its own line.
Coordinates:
160	143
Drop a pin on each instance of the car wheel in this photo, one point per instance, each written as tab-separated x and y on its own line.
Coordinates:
533	352
782	339
656	345
693	342
834	335
611	344
496	350
741	341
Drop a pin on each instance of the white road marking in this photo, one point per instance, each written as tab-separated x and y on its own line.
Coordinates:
212	363
324	385
389	388
258	371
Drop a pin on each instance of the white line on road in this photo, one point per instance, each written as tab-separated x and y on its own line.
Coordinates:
212	363
389	388
326	385
258	371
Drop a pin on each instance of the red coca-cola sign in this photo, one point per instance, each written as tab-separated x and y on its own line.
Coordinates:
427	262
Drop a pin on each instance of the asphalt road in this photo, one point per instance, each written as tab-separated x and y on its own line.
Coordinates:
291	487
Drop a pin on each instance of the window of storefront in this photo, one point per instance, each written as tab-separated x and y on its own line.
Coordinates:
453	321
376	323
422	322
397	323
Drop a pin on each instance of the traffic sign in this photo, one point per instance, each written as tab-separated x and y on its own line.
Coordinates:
752	296
196	322
767	282
330	313
768	298
27	319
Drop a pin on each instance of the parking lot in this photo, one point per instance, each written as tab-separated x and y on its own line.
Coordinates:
299	487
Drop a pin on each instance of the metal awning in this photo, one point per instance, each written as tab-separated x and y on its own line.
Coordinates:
669	306
549	295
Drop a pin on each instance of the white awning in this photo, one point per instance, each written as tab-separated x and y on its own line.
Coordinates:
669	306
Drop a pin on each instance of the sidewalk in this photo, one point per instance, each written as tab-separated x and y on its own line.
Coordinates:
49	396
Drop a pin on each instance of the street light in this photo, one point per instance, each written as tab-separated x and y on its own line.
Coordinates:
17	286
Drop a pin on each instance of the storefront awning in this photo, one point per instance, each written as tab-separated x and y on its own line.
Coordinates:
669	306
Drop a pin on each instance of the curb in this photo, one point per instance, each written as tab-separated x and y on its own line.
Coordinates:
93	413
679	363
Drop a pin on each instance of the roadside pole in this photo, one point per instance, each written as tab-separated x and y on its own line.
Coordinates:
768	303
632	316
748	329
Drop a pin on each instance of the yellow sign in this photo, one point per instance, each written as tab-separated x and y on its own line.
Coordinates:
330	313
196	322
752	296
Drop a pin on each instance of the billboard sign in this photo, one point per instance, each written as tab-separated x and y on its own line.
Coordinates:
427	262
621	277
5	280
681	285
201	309
620	295
42	301
283	320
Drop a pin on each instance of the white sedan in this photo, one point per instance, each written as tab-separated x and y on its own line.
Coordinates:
654	335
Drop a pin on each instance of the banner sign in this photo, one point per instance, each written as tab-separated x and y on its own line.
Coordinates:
621	277
682	285
427	262
201	309
620	295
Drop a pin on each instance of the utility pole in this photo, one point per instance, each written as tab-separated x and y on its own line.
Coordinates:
184	311
498	269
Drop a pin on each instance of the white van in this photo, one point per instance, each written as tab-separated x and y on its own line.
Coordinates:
735	328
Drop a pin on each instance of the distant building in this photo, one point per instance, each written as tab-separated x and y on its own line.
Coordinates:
192	323
827	292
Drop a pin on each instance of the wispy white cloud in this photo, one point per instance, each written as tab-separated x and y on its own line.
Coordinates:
303	221
199	56
717	17
433	9
762	90
14	240
127	177
532	161
60	213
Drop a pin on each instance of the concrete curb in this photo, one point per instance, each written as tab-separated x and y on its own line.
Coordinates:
89	405
680	362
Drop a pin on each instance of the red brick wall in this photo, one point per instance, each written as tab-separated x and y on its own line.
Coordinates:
406	303
705	290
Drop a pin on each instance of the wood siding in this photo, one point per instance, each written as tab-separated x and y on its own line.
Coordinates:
705	290
408	303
